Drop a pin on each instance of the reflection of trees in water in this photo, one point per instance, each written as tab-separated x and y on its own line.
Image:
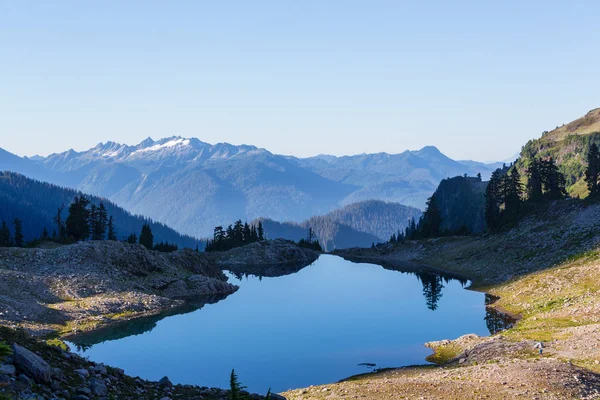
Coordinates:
432	288
494	319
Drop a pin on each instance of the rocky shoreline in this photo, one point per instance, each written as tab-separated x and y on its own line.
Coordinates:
78	290
37	371
88	286
544	271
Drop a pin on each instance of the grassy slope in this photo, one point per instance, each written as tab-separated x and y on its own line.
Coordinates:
567	145
585	125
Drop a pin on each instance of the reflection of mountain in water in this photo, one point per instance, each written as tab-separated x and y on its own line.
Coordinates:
270	271
138	326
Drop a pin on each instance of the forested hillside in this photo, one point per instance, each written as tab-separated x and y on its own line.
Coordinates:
356	225
330	234
375	217
36	204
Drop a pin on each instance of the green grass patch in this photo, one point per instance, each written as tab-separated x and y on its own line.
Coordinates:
5	350
444	354
57	343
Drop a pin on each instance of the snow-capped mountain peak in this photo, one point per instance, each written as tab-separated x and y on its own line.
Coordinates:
173	142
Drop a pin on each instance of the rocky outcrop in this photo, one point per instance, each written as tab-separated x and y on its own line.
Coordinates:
31	364
90	284
36	370
94	284
272	252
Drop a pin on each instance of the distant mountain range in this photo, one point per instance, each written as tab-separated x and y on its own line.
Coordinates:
193	186
36	204
356	225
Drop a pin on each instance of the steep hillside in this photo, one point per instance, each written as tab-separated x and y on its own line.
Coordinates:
585	125
331	234
462	205
36	203
375	217
568	145
193	186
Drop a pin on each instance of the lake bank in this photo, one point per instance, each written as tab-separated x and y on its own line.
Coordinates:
545	271
304	327
86	286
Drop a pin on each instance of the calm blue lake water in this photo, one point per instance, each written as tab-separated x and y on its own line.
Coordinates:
311	327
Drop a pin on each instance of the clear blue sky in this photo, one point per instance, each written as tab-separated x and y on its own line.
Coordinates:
477	79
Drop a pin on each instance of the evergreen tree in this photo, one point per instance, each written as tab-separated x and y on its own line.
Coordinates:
592	172
93	221
146	237
261	232
247	233
492	201
59	223
432	219
78	220
513	191
132	239
553	180
112	235
5	239
235	387
99	221
238	233
534	181
18	224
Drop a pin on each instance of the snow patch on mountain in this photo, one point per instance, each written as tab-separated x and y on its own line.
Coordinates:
159	146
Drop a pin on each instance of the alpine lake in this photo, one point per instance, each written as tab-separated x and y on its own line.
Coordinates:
310	325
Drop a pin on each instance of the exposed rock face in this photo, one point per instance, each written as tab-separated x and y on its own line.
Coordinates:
273	252
33	365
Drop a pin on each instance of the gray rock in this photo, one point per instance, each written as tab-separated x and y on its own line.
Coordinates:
55	386
165	398
80	397
82	373
100	369
165	382
97	387
32	364
84	390
58	373
4	381
277	397
25	379
8	369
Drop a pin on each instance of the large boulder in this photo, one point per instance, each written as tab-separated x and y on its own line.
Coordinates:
32	364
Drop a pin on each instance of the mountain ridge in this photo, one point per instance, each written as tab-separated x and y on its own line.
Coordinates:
193	186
